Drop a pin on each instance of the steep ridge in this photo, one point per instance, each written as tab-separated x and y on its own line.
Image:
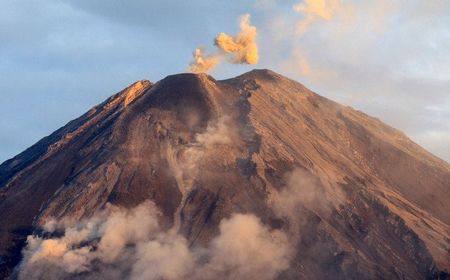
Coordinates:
373	204
10	167
41	169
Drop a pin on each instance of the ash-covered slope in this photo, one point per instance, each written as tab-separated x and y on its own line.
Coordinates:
356	198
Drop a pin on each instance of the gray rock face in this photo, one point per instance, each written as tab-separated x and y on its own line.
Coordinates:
362	200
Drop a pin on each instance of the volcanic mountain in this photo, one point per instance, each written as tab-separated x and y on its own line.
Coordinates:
353	197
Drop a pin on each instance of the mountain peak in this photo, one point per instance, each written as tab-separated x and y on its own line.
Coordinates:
263	73
204	150
127	95
187	76
134	91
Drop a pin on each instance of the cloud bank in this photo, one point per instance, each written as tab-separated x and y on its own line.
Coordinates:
314	10
362	53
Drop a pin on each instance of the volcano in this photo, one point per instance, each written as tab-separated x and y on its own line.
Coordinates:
356	198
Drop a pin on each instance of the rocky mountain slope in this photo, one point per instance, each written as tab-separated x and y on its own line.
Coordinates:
356	198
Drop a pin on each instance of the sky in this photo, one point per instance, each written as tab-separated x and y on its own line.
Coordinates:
387	58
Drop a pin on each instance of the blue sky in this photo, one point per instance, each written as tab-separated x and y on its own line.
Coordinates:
388	58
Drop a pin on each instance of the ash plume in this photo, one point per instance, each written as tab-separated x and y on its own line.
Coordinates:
203	63
239	49
242	47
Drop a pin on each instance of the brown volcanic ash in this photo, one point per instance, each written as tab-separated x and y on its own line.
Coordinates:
346	195
239	49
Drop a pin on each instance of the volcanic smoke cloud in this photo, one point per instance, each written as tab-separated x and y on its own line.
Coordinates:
118	243
203	63
239	49
130	244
